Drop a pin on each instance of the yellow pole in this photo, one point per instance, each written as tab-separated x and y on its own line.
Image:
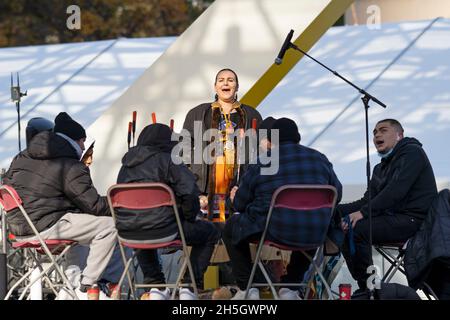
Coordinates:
305	41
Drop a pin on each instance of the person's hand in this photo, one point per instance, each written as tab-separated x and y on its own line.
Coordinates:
344	226
233	193
203	202
355	217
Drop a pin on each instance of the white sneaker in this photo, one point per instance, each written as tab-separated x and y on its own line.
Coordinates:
288	294
64	294
73	274
81	295
253	294
156	294
186	294
103	296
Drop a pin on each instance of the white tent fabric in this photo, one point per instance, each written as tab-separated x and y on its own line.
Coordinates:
407	66
83	79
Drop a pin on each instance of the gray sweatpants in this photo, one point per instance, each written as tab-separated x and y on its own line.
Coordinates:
99	233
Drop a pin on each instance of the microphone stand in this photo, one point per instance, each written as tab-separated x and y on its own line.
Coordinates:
365	99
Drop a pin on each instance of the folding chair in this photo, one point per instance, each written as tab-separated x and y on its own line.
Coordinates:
394	253
305	200
139	196
16	259
395	259
37	249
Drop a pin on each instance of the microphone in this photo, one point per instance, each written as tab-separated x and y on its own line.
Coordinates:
286	45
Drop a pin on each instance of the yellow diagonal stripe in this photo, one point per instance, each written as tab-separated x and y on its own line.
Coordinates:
305	41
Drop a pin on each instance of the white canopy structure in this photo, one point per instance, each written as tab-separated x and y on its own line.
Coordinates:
83	79
405	65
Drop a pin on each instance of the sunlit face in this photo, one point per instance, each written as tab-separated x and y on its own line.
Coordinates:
81	142
385	137
88	157
88	160
226	86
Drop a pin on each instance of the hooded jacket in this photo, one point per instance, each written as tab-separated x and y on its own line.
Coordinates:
150	161
402	183
431	243
51	182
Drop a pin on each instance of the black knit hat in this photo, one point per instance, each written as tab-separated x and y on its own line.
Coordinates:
66	125
288	130
267	124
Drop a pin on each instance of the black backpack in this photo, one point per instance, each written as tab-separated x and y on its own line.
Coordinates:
388	291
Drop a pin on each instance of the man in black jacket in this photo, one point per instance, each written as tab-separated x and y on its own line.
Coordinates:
150	161
58	195
402	189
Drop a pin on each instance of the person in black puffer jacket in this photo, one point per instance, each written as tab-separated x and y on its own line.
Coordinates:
150	161
58	195
402	190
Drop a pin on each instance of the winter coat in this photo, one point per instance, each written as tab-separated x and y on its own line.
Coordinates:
51	181
403	183
297	165
150	161
430	243
201	113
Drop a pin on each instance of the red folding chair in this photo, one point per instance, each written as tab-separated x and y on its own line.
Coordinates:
37	250
304	199
139	196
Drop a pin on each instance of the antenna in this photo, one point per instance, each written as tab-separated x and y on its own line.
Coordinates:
16	96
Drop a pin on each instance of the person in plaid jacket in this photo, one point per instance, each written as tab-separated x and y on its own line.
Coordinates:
297	165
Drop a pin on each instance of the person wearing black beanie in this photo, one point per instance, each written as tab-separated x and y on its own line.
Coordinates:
58	193
290	163
66	125
70	130
288	130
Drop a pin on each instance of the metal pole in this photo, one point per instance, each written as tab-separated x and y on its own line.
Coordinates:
4	251
18	124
